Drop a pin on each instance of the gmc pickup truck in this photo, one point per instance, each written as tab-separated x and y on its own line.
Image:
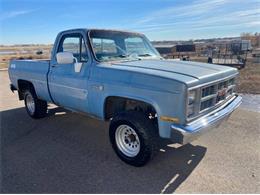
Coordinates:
119	76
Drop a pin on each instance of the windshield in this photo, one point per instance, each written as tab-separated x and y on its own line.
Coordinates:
115	45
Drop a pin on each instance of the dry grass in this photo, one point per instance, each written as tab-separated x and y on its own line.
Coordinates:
249	78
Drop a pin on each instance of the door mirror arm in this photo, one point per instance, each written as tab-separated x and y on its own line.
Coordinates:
77	65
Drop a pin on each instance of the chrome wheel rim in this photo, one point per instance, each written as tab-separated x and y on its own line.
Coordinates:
127	140
30	103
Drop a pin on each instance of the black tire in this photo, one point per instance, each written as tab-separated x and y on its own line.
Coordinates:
40	106
147	134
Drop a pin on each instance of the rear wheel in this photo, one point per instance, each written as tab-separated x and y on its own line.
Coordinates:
133	137
35	107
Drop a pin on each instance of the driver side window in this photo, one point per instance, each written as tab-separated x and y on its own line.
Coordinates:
75	45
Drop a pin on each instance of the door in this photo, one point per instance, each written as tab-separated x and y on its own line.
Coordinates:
67	87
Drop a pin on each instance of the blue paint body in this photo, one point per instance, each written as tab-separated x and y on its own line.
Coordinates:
161	83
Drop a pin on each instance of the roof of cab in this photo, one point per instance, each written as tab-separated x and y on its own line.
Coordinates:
90	29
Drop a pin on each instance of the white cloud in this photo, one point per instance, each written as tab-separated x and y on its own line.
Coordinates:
13	14
253	24
202	14
196	8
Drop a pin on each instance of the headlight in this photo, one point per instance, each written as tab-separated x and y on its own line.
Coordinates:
191	101
191	97
190	110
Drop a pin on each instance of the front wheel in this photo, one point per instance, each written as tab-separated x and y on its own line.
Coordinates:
133	137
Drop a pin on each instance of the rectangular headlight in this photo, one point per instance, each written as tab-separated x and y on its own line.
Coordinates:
190	110
191	102
191	97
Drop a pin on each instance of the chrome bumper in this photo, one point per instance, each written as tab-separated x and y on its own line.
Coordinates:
184	134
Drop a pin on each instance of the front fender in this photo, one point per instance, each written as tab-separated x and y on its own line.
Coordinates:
164	103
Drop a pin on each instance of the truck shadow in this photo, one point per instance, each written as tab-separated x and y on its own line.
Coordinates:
70	153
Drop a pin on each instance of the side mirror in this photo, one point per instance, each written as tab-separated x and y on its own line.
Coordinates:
65	58
68	58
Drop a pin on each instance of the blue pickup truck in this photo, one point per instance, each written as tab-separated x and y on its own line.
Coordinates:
119	76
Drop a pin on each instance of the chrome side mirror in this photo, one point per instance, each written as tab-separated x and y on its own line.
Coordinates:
65	58
68	58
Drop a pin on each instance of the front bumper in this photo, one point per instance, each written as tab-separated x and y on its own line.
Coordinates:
184	134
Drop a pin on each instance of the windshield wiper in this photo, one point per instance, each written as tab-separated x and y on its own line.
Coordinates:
120	56
145	55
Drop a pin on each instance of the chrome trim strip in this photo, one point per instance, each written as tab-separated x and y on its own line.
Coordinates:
207	97
59	85
184	134
215	81
39	81
65	86
77	93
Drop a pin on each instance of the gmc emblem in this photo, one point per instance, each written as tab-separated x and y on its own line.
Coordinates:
222	92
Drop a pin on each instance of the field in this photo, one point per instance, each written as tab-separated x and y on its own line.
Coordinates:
249	78
23	52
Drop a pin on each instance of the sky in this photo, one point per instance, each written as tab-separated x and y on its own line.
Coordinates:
39	21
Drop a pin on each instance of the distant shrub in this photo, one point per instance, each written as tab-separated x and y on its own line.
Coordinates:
39	52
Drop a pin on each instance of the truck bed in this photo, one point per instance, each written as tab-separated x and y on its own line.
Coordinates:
34	71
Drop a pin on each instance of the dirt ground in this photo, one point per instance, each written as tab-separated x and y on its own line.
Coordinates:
70	153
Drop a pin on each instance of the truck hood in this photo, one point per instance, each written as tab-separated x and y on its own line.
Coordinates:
191	73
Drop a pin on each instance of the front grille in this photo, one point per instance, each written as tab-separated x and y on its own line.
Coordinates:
216	93
208	91
206	104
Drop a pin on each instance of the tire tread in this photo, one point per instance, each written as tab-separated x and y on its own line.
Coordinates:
145	128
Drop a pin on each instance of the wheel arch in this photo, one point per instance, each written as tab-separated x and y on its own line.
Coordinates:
24	85
116	103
